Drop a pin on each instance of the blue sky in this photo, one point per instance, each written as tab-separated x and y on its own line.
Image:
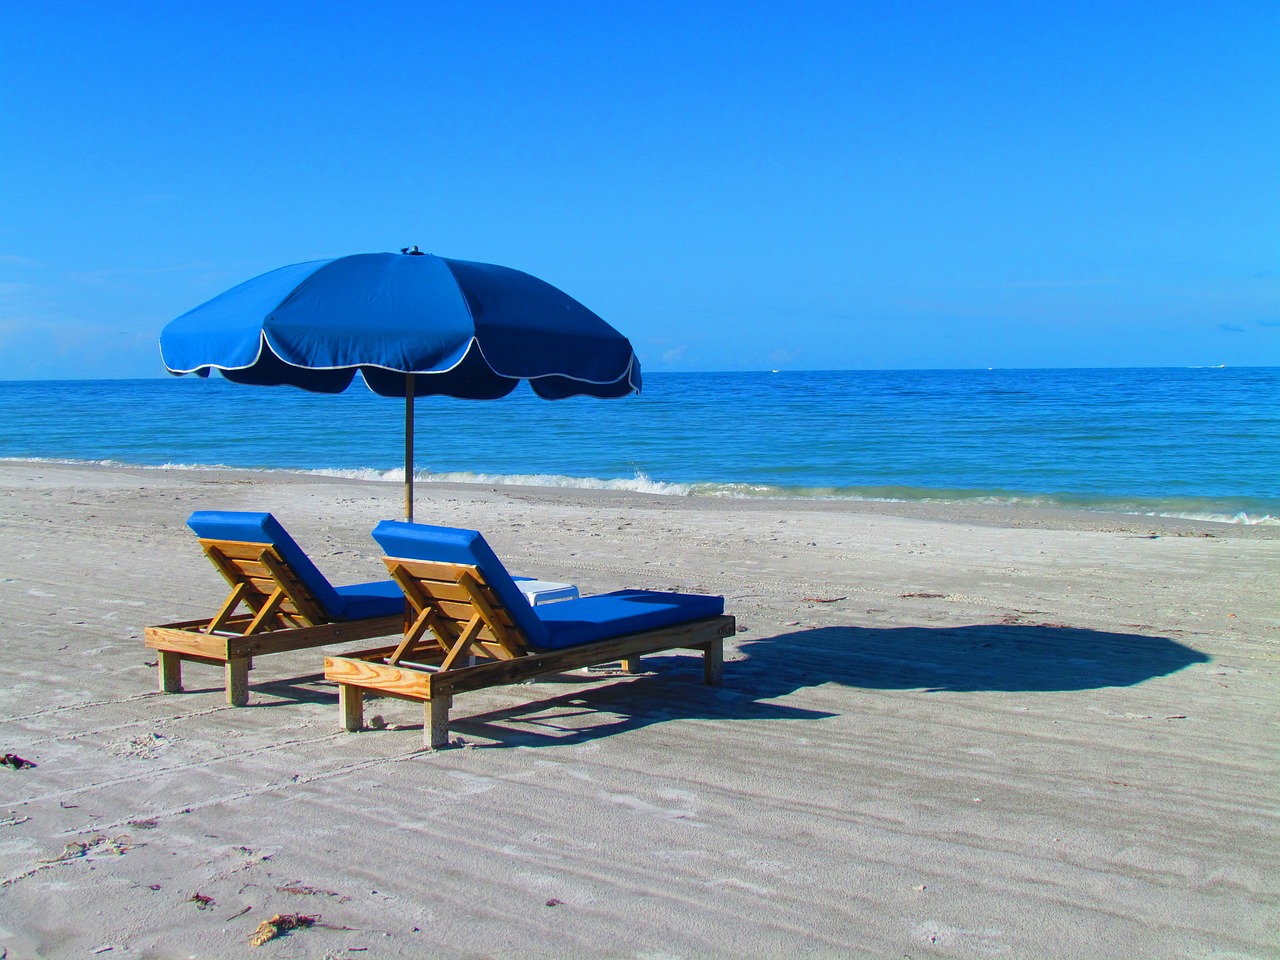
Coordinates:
733	185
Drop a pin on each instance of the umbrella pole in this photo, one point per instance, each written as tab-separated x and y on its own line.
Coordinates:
408	447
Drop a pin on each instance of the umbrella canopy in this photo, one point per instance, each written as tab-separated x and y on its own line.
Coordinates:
411	324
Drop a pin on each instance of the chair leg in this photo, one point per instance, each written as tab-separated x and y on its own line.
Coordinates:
351	707
170	672
238	681
435	731
713	662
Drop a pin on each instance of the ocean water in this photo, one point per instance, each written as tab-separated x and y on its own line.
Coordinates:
1197	443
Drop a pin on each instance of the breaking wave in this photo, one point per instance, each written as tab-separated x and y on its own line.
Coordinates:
1182	509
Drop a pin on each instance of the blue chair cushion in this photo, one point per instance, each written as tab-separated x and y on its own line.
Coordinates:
357	602
548	626
604	616
364	601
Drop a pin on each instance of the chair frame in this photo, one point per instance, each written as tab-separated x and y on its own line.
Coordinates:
455	619
279	614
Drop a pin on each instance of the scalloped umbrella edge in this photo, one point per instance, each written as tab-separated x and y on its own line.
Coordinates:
411	324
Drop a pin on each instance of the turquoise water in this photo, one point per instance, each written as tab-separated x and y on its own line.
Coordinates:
1181	442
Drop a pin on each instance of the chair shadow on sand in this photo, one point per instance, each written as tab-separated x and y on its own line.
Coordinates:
1004	658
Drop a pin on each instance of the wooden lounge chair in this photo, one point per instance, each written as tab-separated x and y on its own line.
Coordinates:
470	627
279	601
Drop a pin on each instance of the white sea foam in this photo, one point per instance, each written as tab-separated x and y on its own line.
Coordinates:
640	483
1242	518
362	473
636	484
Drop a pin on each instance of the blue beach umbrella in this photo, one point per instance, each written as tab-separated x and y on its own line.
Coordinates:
411	324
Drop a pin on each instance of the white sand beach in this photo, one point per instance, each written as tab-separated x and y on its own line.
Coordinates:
942	732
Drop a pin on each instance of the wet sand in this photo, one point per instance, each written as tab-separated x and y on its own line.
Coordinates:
942	732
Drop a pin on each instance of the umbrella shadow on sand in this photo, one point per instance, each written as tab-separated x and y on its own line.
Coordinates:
1003	658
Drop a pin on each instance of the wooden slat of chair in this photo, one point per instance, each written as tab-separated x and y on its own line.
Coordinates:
221	555
228	558
262	581
305	606
437	571
224	614
466	637
452	598
427	623
505	633
459	609
426	630
270	611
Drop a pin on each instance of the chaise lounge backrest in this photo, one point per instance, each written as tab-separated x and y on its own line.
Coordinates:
420	541
263	528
